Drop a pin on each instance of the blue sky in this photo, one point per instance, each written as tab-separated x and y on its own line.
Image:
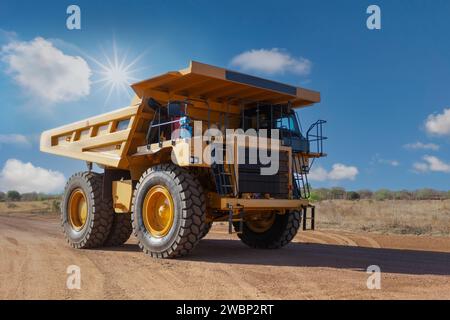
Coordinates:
381	89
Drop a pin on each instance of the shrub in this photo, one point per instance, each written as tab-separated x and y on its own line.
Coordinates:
320	194
13	195
314	196
428	194
337	193
29	196
365	194
352	195
11	205
403	195
56	206
383	194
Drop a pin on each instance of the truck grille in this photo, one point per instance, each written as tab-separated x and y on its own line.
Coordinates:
251	180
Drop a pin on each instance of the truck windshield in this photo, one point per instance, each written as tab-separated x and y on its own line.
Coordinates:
273	117
288	125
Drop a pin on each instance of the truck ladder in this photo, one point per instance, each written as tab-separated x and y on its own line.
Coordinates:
224	174
311	217
300	177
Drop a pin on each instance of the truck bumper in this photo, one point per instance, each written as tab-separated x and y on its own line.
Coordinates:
224	203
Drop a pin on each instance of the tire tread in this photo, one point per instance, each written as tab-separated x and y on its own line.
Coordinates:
193	206
101	221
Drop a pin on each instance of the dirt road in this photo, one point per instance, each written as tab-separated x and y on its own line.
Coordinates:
320	264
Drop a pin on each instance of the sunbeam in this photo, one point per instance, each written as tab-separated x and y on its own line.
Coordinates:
116	73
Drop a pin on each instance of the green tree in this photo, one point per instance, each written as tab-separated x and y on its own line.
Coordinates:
29	196
337	193
314	196
352	195
365	194
322	193
13	195
426	194
2	196
383	194
403	195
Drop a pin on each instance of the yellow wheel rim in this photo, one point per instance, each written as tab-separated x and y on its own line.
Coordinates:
262	224
158	211
78	210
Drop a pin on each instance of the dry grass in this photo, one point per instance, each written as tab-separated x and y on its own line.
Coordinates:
45	206
429	217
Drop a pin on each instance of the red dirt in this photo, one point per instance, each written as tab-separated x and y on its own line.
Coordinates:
317	265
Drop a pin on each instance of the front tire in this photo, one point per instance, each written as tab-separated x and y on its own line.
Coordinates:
207	227
273	231
168	211
86	217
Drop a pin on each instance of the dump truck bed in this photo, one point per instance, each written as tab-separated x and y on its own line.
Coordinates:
112	138
103	139
206	82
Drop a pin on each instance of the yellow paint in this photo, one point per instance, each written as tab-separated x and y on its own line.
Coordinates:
222	203
158	211
122	193
78	209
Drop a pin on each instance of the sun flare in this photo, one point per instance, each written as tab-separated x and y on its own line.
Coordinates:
116	73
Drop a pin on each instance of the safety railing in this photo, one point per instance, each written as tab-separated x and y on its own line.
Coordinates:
315	136
162	124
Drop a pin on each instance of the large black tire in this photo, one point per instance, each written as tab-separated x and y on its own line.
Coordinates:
95	230
282	231
188	214
121	230
206	229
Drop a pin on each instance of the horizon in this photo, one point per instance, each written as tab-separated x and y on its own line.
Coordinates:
312	189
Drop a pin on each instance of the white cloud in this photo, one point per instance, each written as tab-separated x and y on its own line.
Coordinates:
318	174
25	177
422	146
338	171
271	61
377	159
45	72
342	172
420	167
431	163
438	124
14	139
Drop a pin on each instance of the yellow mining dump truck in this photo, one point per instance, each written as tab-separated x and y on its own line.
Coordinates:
160	157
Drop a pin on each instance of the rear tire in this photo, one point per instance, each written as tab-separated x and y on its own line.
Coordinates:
168	211
121	230
280	233
86	217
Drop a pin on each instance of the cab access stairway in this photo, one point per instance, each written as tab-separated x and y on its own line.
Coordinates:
226	184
